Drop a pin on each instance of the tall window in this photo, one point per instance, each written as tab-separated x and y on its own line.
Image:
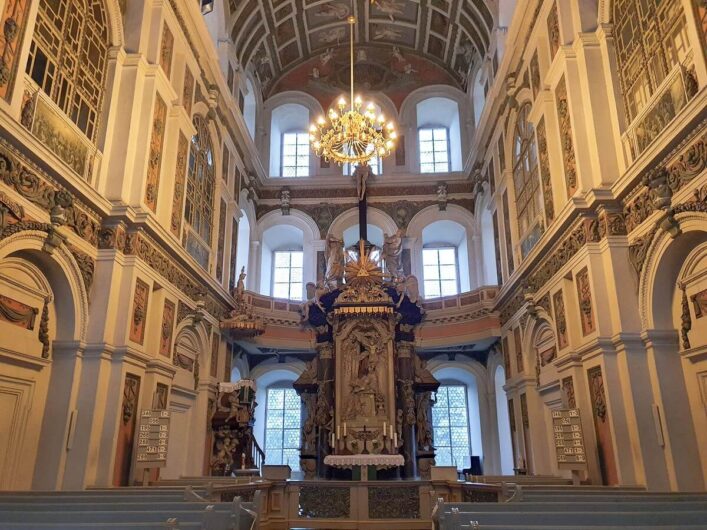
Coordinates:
651	38
282	427
295	154
199	206
434	150
67	58
526	181
287	274
440	271
450	426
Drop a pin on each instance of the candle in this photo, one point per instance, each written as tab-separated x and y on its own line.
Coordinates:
391	430
331	439
395	439
385	431
344	429
338	432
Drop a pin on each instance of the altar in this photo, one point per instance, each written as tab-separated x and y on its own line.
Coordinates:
362	464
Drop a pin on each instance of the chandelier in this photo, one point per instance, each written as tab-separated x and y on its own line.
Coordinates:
352	136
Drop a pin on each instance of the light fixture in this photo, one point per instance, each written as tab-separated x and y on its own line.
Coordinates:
353	136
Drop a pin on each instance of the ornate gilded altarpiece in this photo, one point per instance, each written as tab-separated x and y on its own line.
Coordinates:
366	391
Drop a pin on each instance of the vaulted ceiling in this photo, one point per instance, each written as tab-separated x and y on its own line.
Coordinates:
277	35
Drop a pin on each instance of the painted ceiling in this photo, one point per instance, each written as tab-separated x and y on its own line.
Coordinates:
398	41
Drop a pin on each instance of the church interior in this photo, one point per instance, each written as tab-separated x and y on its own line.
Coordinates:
353	264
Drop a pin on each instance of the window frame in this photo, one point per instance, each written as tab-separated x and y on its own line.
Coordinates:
525	150
285	387
439	247
289	283
447	384
296	167
434	163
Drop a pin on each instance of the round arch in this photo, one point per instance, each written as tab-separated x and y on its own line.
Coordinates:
310	233
349	218
475	377
471	275
63	275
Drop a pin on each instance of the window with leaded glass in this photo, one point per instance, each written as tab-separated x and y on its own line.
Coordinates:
295	154
440	271
526	181
434	149
199	204
282	427
67	58
287	274
450	426
651	38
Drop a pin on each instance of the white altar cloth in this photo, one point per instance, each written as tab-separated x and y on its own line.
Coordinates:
349	461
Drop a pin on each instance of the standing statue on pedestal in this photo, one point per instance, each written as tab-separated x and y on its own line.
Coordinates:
334	261
392	252
240	285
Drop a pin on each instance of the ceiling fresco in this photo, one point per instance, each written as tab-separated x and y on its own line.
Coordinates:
398	41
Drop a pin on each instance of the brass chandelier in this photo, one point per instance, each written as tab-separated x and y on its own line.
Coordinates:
353	136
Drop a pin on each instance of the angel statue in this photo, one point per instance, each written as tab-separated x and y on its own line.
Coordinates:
392	250
407	285
314	293
334	260
362	173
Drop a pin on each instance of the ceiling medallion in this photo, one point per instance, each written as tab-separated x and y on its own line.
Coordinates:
354	136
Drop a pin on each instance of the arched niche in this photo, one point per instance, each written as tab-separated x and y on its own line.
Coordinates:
436	105
286	112
268	374
277	232
473	375
455	226
345	226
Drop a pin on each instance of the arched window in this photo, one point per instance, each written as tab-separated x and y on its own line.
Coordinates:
439	135
526	182
445	259
199	209
651	39
283	416
450	426
289	141
67	58
282	262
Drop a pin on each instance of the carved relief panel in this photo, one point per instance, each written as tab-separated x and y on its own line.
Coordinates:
605	447
180	173
567	143
126	430
558	303
518	349
365	394
553	31
584	298
213	365
139	313
166	50
568	397
154	162
167	329
13	24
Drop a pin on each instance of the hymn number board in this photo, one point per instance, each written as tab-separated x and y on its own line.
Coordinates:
569	442
152	437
